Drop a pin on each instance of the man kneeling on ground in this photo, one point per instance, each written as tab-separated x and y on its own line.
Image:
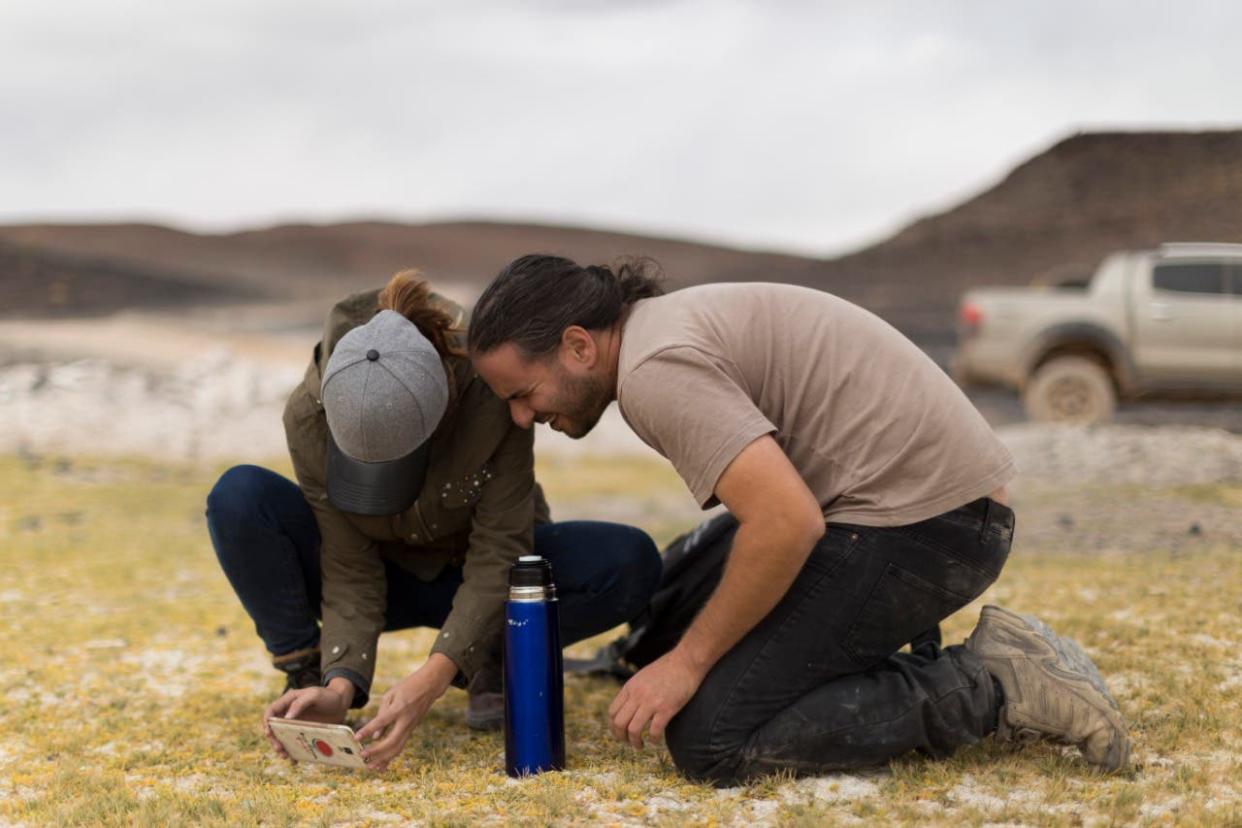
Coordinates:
871	500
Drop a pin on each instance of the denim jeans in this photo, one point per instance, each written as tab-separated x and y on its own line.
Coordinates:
819	685
267	541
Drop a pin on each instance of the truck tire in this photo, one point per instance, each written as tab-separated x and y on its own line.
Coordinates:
1070	389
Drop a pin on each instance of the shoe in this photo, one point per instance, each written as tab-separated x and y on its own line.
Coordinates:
301	668
1052	689
485	700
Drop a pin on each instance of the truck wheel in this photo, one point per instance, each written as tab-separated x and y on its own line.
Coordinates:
1070	389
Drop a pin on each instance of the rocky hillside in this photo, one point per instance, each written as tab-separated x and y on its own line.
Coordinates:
1059	212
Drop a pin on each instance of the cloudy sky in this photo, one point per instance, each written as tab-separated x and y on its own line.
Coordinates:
799	125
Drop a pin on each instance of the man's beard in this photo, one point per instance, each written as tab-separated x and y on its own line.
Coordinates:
584	401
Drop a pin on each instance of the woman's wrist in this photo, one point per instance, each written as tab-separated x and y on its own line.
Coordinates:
343	688
439	672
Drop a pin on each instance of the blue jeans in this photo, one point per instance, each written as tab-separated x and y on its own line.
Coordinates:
267	542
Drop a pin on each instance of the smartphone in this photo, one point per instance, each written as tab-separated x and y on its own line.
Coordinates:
331	744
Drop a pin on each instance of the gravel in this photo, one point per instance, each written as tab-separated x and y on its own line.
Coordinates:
1117	455
220	407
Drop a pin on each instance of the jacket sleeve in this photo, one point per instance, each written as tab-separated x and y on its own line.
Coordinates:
354	583
501	531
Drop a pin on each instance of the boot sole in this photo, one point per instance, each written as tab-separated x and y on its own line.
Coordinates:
1065	661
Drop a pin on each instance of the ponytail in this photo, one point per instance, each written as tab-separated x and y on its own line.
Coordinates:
408	294
639	278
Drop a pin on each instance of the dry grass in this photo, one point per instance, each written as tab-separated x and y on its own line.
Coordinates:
131	686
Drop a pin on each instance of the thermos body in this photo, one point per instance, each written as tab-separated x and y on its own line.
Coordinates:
534	677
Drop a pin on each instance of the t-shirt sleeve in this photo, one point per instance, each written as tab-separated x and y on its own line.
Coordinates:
687	407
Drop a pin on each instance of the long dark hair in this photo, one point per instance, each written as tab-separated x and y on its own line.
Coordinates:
535	298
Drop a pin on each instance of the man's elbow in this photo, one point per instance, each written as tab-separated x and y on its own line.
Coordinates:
805	527
813	528
794	524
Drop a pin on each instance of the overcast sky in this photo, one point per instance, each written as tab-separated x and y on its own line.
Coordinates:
797	125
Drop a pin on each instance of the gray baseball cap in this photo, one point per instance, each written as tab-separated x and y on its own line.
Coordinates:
384	393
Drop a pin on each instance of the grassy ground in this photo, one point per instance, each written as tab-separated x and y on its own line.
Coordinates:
131	685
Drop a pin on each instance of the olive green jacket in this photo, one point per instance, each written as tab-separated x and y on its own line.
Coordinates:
477	509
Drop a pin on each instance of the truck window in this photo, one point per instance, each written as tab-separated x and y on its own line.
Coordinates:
1191	277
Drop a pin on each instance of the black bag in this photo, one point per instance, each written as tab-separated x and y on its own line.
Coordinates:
693	565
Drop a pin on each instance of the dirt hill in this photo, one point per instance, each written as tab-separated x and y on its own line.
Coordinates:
325	260
48	282
1060	211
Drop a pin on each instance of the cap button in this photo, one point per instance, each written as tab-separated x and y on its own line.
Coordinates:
373	355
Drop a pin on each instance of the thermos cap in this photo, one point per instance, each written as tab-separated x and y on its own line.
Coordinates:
531	571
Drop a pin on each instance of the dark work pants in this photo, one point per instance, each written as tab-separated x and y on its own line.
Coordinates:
819	684
267	541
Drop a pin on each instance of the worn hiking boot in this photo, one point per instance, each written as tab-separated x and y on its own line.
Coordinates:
1052	689
300	667
485	701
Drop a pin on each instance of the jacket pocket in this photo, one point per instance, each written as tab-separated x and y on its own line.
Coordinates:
901	606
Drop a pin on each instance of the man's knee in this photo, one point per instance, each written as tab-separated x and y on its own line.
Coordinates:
690	744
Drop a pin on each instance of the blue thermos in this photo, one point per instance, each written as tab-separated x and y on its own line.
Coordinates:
534	678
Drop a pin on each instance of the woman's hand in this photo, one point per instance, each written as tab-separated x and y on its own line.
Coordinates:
311	704
402	708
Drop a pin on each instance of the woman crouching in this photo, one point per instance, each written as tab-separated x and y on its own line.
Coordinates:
416	493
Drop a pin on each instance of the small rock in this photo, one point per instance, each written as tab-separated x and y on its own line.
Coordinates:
1066	521
29	523
221	632
1195	530
31	460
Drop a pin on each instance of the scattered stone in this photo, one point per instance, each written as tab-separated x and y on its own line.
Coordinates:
1113	455
29	523
217	406
840	787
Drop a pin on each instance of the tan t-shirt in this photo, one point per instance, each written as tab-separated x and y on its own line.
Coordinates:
879	433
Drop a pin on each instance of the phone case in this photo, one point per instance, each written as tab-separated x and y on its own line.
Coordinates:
313	742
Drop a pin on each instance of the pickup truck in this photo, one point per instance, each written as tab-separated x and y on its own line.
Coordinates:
1149	322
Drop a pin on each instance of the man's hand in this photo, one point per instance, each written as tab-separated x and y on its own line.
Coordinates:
653	696
310	704
779	523
402	708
